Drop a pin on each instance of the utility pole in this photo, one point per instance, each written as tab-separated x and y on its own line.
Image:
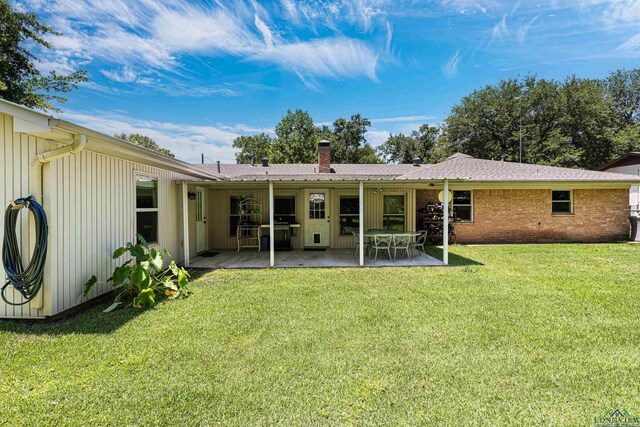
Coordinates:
519	98
520	128
203	158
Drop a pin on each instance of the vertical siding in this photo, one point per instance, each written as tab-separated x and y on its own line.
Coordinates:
218	212
90	203
16	152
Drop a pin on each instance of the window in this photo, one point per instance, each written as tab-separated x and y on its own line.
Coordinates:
349	214
234	215
463	205
316	206
284	209
562	202
393	213
147	208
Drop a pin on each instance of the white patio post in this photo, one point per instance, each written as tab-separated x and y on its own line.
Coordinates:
445	224
185	223
272	253
361	222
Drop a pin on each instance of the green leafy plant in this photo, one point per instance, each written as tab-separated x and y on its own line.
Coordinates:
142	280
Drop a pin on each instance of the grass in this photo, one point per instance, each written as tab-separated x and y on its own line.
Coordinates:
514	335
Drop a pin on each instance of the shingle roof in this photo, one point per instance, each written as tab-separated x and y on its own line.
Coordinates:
461	166
457	167
309	172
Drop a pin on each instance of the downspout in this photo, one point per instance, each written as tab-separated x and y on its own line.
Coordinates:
79	142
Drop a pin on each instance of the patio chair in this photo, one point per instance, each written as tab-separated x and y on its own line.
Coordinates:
420	242
381	242
402	242
356	239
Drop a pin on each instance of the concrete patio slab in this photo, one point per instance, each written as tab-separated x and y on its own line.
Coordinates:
308	259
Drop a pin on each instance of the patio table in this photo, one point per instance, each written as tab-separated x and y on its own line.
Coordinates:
371	234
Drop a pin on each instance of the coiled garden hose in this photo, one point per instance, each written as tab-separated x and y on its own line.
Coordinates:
27	281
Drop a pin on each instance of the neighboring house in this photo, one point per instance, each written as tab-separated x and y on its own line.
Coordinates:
627	164
99	191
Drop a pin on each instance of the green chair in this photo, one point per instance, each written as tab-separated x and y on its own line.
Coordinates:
356	240
421	241
381	242
401	242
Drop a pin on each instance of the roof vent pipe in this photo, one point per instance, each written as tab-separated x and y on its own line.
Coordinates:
218	164
265	162
416	161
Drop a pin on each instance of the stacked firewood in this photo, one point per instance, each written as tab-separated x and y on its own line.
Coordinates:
432	215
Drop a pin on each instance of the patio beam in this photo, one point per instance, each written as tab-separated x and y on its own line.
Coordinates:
445	224
361	222
185	223
272	239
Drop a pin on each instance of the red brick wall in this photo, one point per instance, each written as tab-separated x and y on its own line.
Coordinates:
524	216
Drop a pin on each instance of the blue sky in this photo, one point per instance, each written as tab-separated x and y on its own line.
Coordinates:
194	75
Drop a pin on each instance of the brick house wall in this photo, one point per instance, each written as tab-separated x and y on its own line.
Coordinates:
524	216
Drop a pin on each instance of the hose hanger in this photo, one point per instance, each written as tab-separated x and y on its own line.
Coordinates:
27	281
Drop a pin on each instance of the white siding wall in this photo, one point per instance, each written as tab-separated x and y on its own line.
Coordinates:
634	192
90	202
218	203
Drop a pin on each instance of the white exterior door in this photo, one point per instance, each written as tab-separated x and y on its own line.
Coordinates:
201	220
317	228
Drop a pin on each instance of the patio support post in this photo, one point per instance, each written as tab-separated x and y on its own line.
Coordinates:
361	222
445	224
272	254
185	223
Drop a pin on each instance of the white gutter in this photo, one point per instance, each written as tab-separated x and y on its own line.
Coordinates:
79	142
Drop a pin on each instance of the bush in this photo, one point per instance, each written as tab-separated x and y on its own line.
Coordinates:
142	280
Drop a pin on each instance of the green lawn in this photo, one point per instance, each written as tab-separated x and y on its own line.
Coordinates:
522	335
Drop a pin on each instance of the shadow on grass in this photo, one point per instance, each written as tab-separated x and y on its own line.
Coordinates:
454	259
86	320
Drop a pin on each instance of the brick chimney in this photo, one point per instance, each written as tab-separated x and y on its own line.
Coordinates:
324	156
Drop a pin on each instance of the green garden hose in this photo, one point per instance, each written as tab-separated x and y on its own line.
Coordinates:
27	281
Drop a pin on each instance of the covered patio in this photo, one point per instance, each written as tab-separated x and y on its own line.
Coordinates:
308	259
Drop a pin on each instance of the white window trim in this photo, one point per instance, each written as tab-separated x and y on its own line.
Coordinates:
140	174
235	235
404	206
562	201
340	214
453	205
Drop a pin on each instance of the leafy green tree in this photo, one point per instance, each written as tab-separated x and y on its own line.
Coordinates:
144	141
623	87
402	148
252	148
297	139
20	80
567	123
348	144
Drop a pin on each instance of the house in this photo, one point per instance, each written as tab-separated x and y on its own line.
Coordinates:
98	192
627	164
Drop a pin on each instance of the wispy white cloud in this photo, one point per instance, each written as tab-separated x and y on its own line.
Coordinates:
123	75
186	141
138	37
450	68
377	137
630	45
500	29
401	119
329	57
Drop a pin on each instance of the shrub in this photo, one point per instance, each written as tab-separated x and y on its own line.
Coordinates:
142	279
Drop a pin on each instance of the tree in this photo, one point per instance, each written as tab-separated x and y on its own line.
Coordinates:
144	141
297	139
420	144
567	123
623	88
20	80
252	148
348	142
